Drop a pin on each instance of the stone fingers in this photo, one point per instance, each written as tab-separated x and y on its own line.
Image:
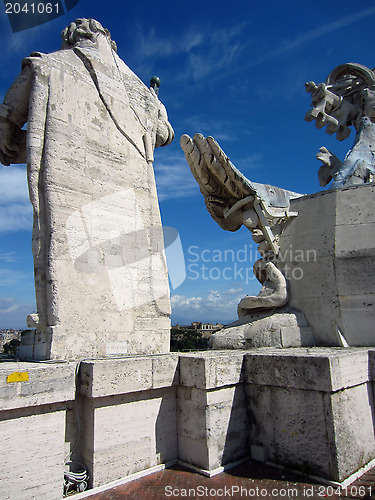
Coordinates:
195	160
234	184
217	175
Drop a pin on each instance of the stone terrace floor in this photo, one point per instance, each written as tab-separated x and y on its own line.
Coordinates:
248	480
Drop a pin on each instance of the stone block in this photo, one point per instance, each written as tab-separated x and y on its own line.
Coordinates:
355	238
32	462
34	398
284	327
129	374
327	254
312	409
351	208
258	453
211	409
128	411
42	384
128	433
208	370
318	369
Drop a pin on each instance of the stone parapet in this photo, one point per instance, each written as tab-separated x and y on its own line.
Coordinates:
305	408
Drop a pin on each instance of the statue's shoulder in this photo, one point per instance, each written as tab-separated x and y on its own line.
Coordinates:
37	59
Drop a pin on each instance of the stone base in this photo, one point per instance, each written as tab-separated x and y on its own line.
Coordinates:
327	254
284	327
149	336
129	409
310	409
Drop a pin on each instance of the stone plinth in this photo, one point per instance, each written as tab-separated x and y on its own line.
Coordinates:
211	409
34	399
312	409
128	410
327	254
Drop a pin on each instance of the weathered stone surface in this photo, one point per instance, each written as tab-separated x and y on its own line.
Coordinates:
128	433
284	328
209	370
42	384
312	409
300	407
32	462
133	374
316	369
100	270
211	408
328	258
34	398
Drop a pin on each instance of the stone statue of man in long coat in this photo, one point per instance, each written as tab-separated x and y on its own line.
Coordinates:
92	126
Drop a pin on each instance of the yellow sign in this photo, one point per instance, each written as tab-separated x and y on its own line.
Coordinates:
17	377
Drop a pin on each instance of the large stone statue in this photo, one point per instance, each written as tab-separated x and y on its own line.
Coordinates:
304	260
92	126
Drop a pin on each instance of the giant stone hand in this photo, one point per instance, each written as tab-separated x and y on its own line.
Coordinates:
219	181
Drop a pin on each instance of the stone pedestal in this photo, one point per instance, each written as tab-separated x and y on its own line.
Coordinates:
327	254
128	410
312	409
211	408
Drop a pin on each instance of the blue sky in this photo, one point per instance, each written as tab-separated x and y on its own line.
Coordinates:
234	70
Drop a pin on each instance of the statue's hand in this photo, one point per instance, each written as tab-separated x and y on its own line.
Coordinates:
331	165
9	142
217	178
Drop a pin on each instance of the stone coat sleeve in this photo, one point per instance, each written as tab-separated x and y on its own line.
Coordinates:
13	116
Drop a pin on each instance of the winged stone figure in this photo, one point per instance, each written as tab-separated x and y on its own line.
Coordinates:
233	201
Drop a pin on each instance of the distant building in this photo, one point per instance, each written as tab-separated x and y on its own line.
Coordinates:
206	329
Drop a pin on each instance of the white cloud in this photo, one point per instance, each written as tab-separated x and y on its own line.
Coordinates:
173	178
13	185
202	51
8	256
12	278
214	306
13	313
15	217
309	36
15	207
151	44
7	305
221	131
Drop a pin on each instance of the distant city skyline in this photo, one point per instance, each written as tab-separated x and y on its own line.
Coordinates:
234	71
